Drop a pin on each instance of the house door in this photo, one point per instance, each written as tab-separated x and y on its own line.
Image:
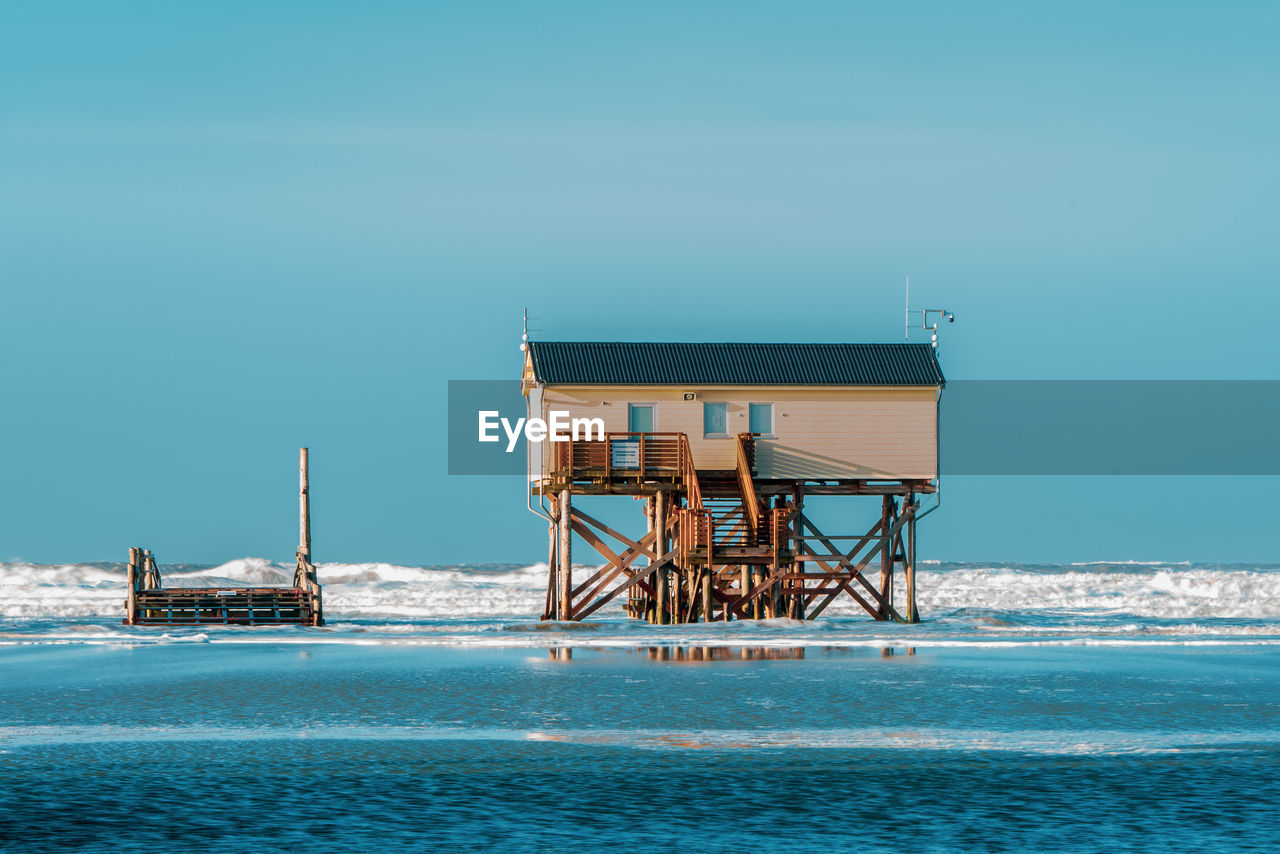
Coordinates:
626	452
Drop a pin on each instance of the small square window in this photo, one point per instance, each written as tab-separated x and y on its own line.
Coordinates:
640	417
761	419
715	419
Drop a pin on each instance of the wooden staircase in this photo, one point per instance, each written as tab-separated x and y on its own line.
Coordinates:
729	523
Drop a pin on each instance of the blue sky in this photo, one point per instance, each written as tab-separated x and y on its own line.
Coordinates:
227	230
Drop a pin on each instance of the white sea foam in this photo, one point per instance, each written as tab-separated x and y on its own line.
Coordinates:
366	589
1162	591
1181	593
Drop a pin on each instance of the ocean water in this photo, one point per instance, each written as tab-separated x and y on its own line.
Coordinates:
1092	707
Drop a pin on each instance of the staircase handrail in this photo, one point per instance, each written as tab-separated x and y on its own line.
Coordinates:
746	483
689	475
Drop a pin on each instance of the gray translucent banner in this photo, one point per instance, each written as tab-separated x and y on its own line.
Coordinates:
1010	427
1126	427
467	399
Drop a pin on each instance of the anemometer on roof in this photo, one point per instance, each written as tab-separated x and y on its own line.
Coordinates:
942	314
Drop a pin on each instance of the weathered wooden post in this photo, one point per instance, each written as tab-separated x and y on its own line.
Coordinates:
704	577
304	577
757	607
909	554
549	607
707	615
304	506
552	611
130	604
150	572
728	601
661	606
565	611
797	509
887	509
648	605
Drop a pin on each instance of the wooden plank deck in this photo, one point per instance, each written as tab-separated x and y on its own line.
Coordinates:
246	606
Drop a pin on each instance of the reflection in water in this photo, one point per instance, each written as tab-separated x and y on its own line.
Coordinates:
700	653
723	653
726	653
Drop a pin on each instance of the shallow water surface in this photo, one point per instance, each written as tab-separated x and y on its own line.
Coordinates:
322	747
1090	707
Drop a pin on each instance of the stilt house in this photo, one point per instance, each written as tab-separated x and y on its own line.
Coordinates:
724	441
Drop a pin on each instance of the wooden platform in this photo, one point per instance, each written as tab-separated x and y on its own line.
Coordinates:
244	606
150	603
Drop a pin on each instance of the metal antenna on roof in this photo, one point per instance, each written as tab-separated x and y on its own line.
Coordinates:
524	336
906	324
941	313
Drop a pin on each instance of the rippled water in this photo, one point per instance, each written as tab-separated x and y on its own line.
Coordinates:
1139	712
338	747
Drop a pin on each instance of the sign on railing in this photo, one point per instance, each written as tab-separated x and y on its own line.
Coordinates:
625	454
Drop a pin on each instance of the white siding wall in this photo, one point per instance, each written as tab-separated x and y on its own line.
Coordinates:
819	432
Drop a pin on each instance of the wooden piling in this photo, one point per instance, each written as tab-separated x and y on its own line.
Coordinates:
797	507
553	559
304	577
565	550
549	606
304	505
708	615
649	604
728	602
150	572
771	600
756	605
886	555
131	603
909	553
661	605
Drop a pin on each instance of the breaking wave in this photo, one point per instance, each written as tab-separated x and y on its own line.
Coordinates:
1159	591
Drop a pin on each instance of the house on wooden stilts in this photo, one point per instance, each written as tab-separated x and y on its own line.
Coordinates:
724	442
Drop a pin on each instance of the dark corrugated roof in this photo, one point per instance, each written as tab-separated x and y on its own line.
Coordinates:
627	363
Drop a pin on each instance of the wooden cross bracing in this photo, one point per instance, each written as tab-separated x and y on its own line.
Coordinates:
727	580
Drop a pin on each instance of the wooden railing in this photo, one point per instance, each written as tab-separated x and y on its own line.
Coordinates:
629	454
702	529
689	476
620	452
779	532
746	483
